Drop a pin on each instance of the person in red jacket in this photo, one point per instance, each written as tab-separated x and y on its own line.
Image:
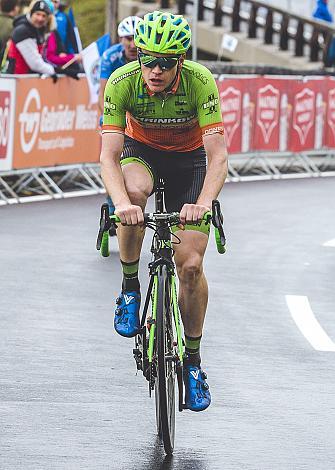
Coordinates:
28	39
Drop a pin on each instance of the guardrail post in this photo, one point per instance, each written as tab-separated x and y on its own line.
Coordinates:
315	46
268	34
181	7
217	13
328	38
201	10
299	40
252	28
284	36
236	17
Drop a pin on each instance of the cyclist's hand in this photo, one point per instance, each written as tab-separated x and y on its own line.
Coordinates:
130	214
192	213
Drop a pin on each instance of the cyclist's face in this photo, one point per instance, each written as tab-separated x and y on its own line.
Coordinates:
39	19
130	49
156	78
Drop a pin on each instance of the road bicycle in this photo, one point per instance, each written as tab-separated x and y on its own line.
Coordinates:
159	346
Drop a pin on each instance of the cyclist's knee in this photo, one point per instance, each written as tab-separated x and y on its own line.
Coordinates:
137	196
190	270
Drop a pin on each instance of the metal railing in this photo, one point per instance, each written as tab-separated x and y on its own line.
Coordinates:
305	37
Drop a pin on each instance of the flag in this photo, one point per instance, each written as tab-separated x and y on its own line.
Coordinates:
75	29
91	56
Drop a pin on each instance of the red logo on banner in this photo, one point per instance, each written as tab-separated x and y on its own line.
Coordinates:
331	111
268	110
304	113
231	111
4	122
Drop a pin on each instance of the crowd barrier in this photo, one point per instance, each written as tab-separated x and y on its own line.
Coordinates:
46	124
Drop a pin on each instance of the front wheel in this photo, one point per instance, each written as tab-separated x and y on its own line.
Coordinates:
166	373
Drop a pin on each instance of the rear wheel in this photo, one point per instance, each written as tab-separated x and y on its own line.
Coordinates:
166	373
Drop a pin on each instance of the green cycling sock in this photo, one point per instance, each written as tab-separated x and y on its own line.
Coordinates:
130	276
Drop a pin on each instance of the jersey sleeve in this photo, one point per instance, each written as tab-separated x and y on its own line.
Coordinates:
115	97
208	104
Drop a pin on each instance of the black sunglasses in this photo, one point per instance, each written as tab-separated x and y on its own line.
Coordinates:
164	63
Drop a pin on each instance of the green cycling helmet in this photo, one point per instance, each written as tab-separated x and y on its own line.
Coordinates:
164	33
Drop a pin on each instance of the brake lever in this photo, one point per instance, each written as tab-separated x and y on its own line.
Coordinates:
217	220
105	224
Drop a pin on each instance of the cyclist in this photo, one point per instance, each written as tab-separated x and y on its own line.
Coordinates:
162	117
113	58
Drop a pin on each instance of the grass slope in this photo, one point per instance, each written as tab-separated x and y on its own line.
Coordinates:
90	19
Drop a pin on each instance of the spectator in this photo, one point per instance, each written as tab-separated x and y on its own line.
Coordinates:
322	11
118	54
28	39
55	51
65	28
9	9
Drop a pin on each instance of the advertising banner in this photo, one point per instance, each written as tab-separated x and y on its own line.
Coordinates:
309	114
7	115
55	124
237	107
330	114
46	124
273	114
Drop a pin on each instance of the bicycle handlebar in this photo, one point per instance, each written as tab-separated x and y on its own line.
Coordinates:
107	221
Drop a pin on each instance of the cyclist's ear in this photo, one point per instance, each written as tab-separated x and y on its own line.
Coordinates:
181	60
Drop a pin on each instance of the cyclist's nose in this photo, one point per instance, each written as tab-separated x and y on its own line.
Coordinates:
157	69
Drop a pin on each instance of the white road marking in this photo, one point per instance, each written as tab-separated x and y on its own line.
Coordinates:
330	243
305	320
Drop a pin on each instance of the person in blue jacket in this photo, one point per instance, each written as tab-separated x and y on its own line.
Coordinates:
65	29
322	13
116	56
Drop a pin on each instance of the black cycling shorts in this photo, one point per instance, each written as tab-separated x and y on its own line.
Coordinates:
183	172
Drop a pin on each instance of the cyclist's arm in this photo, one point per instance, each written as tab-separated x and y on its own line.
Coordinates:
111	173
217	157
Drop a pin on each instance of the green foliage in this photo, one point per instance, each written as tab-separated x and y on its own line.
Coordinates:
90	18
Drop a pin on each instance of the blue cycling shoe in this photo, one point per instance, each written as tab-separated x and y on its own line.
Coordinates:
197	395
126	320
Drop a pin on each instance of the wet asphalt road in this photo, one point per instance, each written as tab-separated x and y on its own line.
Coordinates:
69	397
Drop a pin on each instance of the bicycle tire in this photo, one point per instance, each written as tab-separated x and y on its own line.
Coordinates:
166	367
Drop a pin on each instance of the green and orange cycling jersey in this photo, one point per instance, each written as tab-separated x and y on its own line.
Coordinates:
174	121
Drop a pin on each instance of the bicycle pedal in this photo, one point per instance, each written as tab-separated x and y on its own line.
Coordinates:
138	358
150	322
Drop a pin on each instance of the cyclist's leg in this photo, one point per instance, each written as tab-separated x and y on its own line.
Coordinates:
193	289
193	297
139	185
